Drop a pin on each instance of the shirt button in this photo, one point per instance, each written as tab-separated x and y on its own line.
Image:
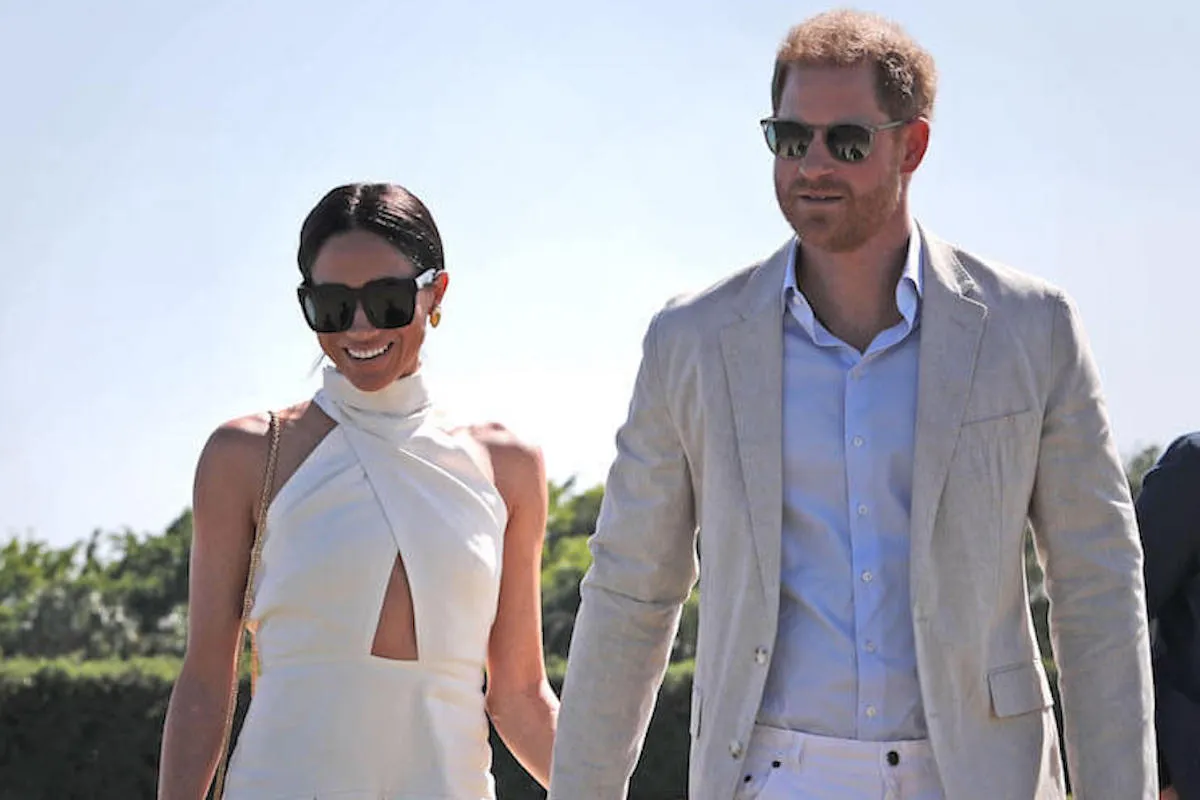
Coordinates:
858	441
867	576
760	655
871	712
735	749
862	511
869	647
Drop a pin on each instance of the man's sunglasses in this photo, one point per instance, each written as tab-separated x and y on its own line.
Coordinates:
849	142
387	302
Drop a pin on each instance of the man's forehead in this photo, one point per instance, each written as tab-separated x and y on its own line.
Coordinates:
810	91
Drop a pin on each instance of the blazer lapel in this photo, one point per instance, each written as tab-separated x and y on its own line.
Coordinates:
752	348
952	325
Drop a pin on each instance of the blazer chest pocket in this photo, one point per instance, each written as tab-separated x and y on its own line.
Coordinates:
1018	689
990	448
999	419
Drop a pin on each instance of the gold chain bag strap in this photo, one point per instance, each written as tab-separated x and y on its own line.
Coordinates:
247	602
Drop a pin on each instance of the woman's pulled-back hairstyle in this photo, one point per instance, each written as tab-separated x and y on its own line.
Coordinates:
385	209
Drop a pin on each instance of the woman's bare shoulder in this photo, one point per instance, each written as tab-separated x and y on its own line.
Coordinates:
239	447
518	465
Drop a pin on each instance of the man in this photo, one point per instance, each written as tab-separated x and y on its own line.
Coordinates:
1168	513
858	429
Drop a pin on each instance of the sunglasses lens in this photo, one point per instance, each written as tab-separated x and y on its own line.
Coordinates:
330	308
788	139
849	143
390	304
327	309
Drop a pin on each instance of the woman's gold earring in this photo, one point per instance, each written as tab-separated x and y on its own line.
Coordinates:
435	316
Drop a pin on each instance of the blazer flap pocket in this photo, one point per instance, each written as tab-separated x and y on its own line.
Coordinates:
1019	689
694	722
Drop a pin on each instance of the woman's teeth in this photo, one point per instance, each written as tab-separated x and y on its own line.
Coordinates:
363	355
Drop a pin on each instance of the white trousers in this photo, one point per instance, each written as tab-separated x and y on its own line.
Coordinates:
786	765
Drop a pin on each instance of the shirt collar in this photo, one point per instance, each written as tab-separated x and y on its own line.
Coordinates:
909	289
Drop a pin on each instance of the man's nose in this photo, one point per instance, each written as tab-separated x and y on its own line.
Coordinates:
817	162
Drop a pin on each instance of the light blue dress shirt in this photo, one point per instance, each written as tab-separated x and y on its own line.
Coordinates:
845	661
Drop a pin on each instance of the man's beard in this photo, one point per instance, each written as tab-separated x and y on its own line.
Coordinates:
844	229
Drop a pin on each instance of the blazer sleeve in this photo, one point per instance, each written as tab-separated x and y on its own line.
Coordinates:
1085	530
1168	514
644	566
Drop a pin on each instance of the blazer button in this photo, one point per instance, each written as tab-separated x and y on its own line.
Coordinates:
760	655
735	749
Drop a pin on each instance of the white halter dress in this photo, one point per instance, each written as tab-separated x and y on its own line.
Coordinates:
329	719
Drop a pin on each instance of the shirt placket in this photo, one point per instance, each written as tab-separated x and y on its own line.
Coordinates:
864	542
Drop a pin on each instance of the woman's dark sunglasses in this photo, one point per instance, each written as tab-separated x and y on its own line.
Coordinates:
849	142
387	302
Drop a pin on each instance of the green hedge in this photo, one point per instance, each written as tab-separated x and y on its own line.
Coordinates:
87	730
91	731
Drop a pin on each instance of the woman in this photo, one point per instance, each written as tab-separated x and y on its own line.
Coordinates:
399	560
1168	512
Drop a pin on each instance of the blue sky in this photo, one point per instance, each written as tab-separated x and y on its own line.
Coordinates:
584	162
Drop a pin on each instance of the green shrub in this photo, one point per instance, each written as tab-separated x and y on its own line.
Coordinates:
88	730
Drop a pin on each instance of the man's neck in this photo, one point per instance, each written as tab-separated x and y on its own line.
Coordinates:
854	294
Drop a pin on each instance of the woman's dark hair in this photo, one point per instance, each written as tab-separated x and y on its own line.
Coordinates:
384	209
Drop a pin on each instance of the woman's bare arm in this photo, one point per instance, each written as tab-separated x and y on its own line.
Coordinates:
224	506
520	701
